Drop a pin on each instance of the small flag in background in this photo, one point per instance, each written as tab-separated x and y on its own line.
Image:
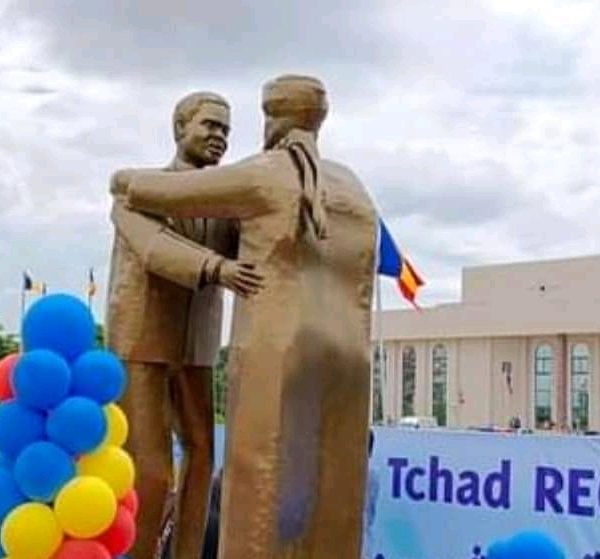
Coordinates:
27	282
393	264
31	286
91	290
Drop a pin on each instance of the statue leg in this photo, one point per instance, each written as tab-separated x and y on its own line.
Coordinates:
147	405
194	422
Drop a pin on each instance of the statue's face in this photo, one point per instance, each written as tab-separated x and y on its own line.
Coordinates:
203	139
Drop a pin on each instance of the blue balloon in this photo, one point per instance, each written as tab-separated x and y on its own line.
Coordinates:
5	462
99	375
78	425
19	427
498	550
526	545
60	323
10	495
41	379
42	469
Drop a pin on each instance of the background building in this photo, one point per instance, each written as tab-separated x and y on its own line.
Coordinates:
524	342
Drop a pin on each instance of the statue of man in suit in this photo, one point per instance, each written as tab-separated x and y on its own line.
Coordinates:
297	418
164	320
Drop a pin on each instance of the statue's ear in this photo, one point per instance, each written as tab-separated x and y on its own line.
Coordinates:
178	129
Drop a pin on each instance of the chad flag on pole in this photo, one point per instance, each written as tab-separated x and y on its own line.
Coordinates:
393	264
33	286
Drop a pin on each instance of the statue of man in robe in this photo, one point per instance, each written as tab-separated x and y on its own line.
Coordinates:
297	418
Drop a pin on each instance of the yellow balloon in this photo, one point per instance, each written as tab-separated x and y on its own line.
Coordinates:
118	427
31	530
85	507
113	465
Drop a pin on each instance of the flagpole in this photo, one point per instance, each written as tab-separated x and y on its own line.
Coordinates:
22	313
91	288
22	307
380	348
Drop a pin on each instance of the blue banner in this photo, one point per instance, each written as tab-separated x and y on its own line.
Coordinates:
448	495
440	494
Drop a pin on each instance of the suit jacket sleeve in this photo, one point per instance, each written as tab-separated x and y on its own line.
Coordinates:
230	191
162	251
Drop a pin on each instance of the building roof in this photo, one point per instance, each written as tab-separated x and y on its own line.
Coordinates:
523	299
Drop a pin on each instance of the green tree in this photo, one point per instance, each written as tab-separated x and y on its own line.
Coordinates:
100	340
8	343
220	384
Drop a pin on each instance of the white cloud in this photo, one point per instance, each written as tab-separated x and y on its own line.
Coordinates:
474	124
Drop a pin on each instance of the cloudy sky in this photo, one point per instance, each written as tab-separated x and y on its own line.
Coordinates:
476	124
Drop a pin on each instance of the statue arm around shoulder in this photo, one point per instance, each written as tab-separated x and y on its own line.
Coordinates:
164	252
230	191
173	257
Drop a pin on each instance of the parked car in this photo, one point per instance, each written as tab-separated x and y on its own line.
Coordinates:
418	422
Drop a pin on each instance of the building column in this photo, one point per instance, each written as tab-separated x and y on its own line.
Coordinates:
398	393
460	397
523	394
385	383
423	384
490	398
562	383
453	388
595	384
389	396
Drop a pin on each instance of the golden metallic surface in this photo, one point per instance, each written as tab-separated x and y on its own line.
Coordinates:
297	420
164	321
157	401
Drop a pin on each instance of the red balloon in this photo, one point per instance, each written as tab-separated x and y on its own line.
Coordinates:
131	502
120	537
7	365
81	549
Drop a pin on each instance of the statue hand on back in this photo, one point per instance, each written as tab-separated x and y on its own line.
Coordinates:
240	277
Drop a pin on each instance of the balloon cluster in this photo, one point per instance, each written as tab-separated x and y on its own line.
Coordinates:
66	484
526	545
